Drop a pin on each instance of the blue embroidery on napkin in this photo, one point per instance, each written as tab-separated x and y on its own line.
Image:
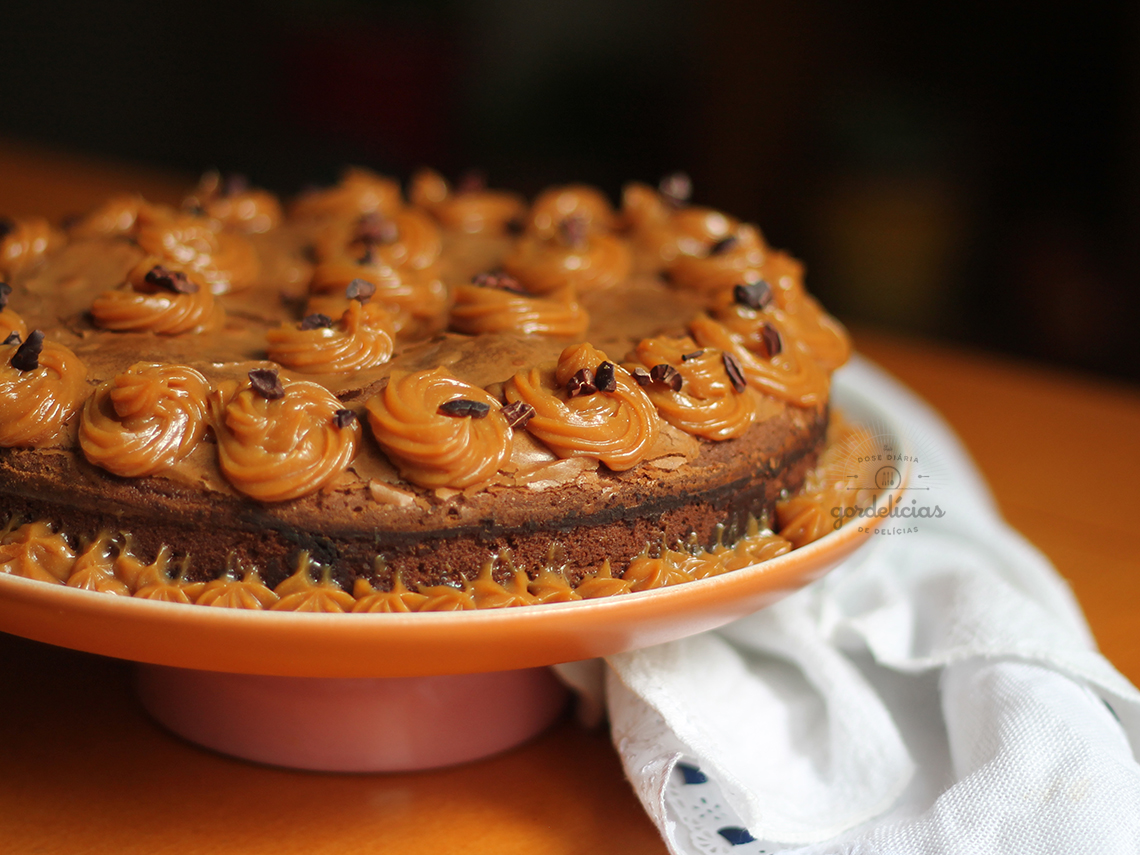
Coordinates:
692	774
735	836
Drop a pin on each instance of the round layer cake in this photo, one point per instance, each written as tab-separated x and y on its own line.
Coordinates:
450	400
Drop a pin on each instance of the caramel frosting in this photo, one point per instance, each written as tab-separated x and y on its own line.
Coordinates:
431	446
10	323
480	309
353	343
474	210
790	375
301	592
417	300
445	598
36	402
398	599
662	231
35	551
94	569
24	242
141	304
576	201
117	216
144	420
590	262
407	238
616	427
234	205
226	260
803	322
715	251
360	191
231	591
155	581
706	404
282	447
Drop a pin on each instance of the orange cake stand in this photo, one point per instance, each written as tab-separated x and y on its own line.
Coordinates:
387	692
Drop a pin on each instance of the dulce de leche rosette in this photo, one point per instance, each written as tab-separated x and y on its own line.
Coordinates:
470	207
406	238
234	205
589	407
439	431
158	299
281	439
226	260
416	300
490	305
701	391
752	306
25	242
578	202
359	191
117	216
145	420
574	256
771	362
715	252
319	345
41	385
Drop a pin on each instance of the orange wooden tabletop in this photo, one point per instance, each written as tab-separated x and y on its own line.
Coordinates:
83	770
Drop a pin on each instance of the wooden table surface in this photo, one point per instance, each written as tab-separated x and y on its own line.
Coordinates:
82	769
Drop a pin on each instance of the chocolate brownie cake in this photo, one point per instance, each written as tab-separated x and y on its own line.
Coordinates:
364	401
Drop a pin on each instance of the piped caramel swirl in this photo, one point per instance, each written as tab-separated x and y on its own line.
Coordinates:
577	201
707	404
35	403
359	191
145	420
431	447
35	551
715	251
226	260
416	300
616	427
117	216
234	205
144	304
10	323
790	375
24	242
409	238
481	309
472	211
593	261
349	344
281	448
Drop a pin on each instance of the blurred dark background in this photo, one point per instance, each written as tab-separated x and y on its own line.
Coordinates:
968	171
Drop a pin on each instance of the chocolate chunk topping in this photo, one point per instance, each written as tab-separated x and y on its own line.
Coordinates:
343	418
641	377
755	295
518	414
6	227
668	375
500	280
676	188
464	407
770	336
735	374
573	231
471	181
27	355
316	321
604	377
376	228
723	245
265	382
174	281
13	338
685	357
581	383
360	289
5	293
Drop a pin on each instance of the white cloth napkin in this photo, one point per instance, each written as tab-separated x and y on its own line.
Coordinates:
939	692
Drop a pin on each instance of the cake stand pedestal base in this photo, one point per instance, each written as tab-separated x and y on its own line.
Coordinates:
353	725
